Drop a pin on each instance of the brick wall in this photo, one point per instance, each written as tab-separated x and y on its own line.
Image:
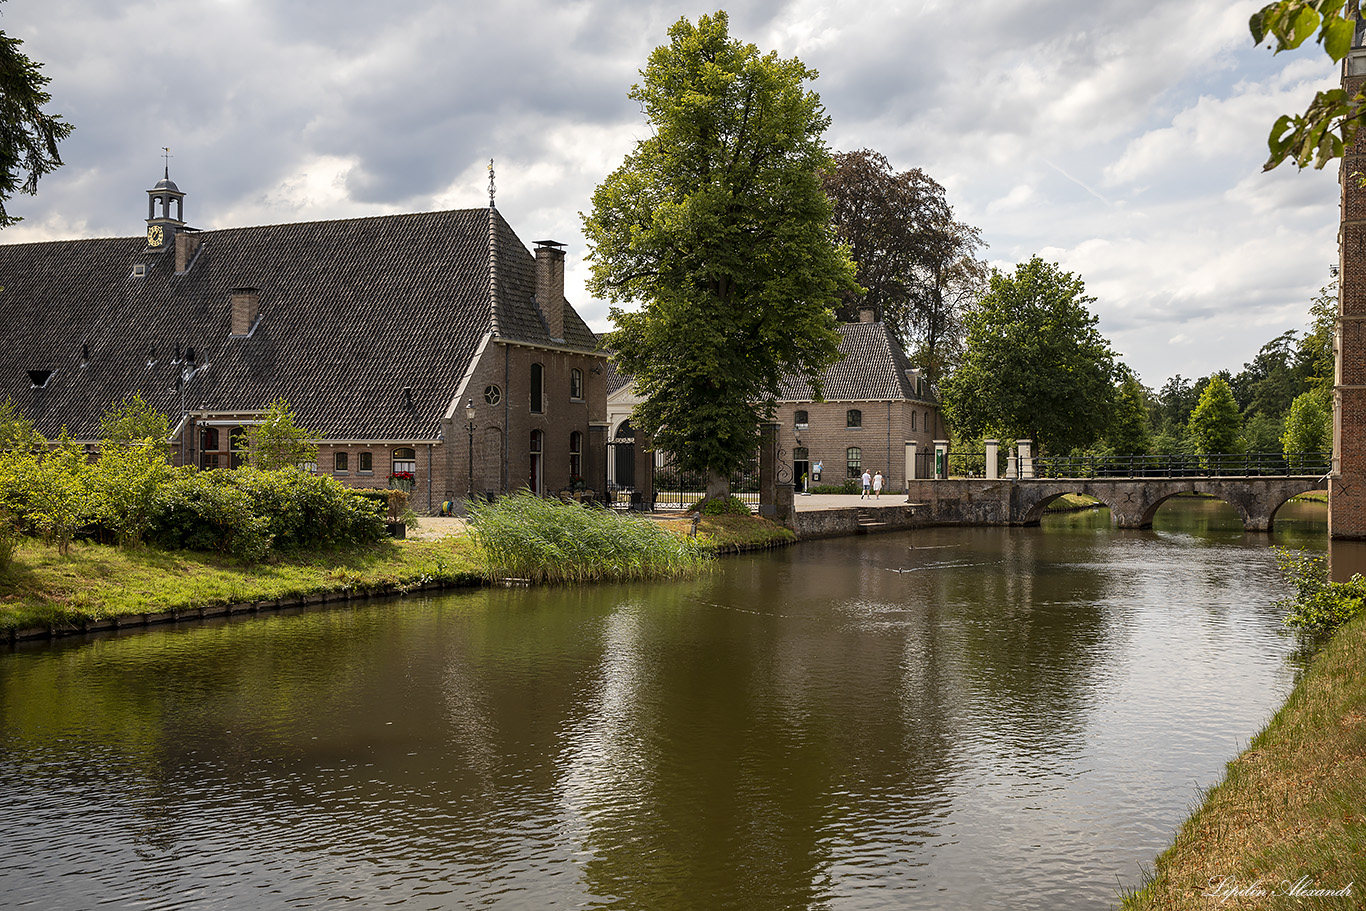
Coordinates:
886	427
1347	489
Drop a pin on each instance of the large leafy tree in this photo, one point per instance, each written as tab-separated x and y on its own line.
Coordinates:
1034	364
1308	426
28	135
1315	361
717	228
918	265
1269	382
1129	432
1330	122
1215	422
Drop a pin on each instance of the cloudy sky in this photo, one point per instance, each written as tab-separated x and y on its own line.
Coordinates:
1121	140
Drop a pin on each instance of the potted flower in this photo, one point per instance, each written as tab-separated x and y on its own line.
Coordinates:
402	480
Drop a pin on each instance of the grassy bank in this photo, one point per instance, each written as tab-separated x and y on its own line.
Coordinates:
1290	814
93	581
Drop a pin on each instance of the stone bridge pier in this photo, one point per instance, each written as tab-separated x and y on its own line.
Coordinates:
1132	501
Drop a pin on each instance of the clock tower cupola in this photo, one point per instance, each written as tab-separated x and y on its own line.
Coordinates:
161	224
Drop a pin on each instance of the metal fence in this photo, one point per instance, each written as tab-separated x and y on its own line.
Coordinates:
677	489
1214	465
1242	464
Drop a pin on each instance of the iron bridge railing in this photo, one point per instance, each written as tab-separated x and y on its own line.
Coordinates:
1220	465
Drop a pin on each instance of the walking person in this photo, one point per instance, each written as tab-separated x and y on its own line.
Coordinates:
877	486
867	484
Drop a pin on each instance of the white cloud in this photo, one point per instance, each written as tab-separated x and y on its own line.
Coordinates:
1125	141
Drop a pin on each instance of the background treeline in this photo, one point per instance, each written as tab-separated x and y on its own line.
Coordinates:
1281	401
1018	355
130	494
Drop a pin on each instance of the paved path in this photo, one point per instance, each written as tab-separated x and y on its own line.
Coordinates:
431	528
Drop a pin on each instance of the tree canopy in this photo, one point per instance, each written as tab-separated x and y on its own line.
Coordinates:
717	228
134	421
1330	122
278	442
28	135
1214	424
1034	364
918	265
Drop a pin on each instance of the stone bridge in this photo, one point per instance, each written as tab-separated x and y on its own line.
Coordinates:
1132	501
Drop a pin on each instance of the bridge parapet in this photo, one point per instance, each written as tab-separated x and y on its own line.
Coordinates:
1132	501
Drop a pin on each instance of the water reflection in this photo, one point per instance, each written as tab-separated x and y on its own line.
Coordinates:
981	718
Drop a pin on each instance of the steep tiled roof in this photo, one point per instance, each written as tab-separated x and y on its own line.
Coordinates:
616	380
351	312
873	368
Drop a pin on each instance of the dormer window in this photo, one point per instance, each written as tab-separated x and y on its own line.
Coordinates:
39	378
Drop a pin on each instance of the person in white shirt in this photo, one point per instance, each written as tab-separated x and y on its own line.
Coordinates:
877	486
867	485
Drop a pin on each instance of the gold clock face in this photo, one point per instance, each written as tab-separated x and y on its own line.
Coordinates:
155	235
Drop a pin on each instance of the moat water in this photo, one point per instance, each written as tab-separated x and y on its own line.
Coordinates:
974	719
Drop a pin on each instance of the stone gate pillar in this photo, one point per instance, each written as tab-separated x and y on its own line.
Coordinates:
595	459
993	471
910	460
1026	458
643	496
768	469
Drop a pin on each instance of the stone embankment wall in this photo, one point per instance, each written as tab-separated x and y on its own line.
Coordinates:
837	523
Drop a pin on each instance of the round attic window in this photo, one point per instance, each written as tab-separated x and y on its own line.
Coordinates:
493	395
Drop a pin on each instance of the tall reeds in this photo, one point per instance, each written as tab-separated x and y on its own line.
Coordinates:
546	541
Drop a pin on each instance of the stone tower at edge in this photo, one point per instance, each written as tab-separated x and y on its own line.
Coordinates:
1347	485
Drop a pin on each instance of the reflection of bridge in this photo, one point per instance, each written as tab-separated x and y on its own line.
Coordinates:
1132	501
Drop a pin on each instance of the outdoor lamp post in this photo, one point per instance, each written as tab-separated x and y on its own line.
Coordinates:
469	416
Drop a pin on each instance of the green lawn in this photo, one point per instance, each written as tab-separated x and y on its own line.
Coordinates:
94	581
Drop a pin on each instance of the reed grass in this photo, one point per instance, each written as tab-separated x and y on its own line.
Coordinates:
549	542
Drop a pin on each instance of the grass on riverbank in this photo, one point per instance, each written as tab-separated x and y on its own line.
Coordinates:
1291	808
41	588
731	534
95	581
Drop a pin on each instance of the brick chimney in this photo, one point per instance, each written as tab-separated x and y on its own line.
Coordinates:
246	305
186	244
550	285
867	315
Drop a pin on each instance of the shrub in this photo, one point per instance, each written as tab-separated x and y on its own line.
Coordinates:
59	501
247	512
540	540
849	486
9	540
124	483
1318	605
727	506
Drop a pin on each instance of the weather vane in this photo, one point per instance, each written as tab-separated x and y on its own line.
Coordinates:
491	183
166	155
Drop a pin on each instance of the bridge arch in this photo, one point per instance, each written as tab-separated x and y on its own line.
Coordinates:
1271	520
1034	512
1249	522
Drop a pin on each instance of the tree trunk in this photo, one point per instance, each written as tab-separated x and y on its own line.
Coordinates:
718	485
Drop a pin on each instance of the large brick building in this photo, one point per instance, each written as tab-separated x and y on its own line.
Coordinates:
1347	485
382	333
